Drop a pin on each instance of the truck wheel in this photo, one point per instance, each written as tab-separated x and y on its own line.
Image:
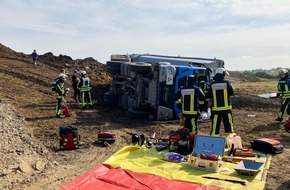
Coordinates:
140	67
138	113
124	69
124	102
114	64
113	71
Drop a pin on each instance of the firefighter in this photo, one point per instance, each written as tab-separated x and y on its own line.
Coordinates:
60	94
85	90
190	97
284	93
75	82
219	93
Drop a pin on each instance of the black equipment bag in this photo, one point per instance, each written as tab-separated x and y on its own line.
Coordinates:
266	145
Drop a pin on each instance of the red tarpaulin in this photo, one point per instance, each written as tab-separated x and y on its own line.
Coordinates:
108	178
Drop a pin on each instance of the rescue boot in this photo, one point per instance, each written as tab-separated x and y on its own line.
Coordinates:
279	119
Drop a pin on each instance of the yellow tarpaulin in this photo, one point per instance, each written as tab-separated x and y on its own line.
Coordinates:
145	160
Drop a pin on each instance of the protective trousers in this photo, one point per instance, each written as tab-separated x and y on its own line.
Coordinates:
59	101
190	122
284	108
86	98
227	118
77	94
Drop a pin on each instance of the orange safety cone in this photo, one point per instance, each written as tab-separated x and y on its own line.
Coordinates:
66	112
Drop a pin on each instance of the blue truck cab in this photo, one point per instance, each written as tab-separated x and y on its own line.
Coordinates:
145	84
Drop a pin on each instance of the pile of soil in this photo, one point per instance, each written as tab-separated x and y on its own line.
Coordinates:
21	155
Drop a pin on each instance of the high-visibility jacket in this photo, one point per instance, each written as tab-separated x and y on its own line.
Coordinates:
84	84
284	87
219	93
59	89
190	96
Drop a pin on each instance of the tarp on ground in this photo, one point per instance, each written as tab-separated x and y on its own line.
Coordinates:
104	177
148	163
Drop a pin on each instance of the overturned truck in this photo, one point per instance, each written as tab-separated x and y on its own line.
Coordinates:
145	84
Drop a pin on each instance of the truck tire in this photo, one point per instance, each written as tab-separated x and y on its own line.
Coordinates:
114	64
140	67
113	71
124	69
124	102
138	113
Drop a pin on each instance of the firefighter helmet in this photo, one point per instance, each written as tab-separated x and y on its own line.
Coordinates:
221	70
83	72
283	71
62	76
201	83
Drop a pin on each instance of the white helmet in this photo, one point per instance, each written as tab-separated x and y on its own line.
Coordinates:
83	72
62	76
283	71
221	70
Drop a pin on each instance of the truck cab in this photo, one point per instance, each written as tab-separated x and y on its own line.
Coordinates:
145	85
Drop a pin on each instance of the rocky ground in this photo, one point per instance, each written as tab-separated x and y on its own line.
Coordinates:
29	130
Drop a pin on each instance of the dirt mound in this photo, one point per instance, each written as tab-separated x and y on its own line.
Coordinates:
21	155
252	102
236	76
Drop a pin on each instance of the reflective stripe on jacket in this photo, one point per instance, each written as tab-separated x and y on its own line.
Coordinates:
84	84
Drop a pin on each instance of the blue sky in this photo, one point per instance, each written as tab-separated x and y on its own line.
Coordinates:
246	34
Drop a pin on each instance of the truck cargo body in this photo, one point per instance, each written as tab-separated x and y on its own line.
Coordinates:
145	86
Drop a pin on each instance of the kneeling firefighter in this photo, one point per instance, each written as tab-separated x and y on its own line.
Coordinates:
191	96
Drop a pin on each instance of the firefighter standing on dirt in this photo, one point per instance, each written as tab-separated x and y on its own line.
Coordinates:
219	93
60	94
85	90
284	93
75	82
190	97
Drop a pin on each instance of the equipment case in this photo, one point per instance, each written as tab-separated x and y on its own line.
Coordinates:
266	145
207	145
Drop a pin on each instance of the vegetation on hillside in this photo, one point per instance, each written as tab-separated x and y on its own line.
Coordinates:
271	74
